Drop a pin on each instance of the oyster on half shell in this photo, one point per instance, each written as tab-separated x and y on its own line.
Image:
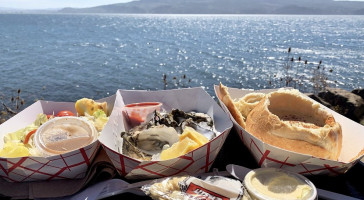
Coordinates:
178	119
148	142
162	130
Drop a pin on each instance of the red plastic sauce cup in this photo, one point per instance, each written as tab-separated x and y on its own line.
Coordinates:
137	112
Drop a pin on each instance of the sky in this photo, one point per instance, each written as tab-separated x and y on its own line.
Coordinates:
51	4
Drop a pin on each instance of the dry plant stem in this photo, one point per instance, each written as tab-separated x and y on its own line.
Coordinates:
10	111
176	82
294	75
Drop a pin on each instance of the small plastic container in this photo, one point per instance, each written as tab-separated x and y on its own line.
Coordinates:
278	184
137	112
64	134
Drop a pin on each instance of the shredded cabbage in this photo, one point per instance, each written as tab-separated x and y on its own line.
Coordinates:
14	142
98	119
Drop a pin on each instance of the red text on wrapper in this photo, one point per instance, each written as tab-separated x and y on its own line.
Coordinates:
199	192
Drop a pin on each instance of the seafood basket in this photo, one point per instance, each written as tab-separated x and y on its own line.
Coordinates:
196	161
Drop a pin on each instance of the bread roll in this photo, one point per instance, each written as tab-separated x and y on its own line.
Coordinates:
248	102
290	120
229	103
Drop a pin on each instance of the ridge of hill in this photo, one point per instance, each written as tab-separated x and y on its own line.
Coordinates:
311	7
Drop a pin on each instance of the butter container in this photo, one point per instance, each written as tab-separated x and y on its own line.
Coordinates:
278	184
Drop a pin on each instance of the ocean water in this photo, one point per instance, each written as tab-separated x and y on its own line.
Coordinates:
67	57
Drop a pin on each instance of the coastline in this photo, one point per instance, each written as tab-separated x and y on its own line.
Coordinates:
347	103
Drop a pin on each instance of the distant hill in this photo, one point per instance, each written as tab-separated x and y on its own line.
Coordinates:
4	10
317	7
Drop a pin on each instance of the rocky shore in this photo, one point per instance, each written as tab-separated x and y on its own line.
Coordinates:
349	104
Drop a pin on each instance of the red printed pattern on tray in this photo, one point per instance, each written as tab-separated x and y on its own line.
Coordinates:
68	166
187	164
263	158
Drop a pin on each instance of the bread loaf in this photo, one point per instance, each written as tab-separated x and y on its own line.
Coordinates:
240	108
229	103
292	121
248	102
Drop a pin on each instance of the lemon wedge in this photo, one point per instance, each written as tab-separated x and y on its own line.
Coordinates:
13	150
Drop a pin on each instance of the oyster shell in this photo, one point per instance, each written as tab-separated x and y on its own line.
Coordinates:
162	130
154	138
178	119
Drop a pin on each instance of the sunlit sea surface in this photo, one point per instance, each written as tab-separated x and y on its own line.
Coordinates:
67	57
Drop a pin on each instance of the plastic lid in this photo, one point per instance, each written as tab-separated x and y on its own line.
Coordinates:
64	134
272	183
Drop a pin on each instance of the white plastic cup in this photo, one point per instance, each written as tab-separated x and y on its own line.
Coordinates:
279	187
64	134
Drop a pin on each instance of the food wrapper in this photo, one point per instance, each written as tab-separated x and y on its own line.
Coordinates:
71	165
195	162
270	156
189	187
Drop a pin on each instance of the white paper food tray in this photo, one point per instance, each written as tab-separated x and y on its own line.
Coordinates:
195	162
270	156
71	165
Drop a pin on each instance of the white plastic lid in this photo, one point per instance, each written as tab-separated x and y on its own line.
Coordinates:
278	184
64	134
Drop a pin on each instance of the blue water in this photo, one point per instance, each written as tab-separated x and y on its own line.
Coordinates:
66	57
